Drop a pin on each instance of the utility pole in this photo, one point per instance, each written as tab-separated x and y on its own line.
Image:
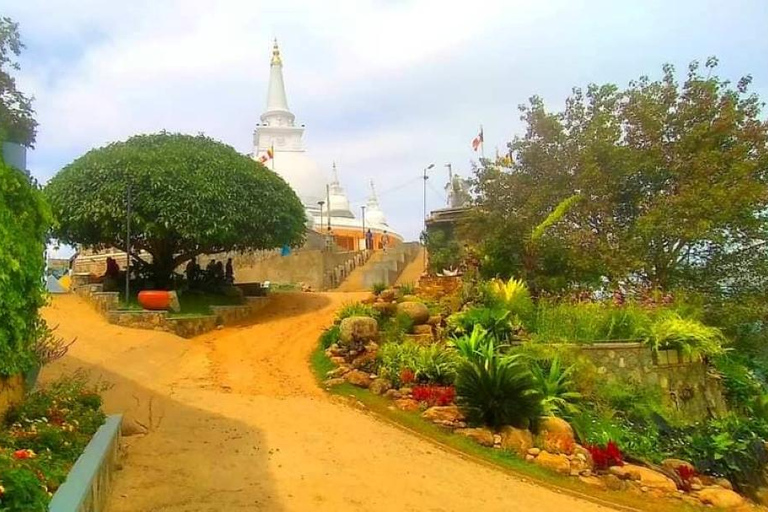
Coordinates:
128	243
365	240
430	166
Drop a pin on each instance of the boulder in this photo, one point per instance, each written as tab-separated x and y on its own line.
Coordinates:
385	308
582	455
534	451
358	378
720	498
422	329
380	386
338	372
387	295
614	483
420	339
370	299
556	462
555	436
371	346
435	320
392	394
516	440
357	331
724	483
407	404
365	362
674	464
593	481
406	391
645	476
443	414
337	381
416	311
338	360
481	436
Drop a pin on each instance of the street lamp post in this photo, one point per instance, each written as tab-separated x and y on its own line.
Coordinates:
128	243
430	166
365	240
321	203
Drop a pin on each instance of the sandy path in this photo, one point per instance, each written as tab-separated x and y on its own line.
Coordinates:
237	423
412	272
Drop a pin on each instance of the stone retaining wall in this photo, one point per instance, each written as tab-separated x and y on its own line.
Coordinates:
688	386
185	326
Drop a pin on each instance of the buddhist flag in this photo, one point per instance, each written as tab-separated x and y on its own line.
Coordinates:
478	141
269	156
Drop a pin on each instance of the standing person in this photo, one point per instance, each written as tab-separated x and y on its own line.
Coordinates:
189	270
369	239
230	272
385	241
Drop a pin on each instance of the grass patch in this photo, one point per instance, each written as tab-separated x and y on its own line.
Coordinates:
192	304
499	459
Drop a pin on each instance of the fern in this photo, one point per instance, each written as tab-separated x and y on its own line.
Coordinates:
691	337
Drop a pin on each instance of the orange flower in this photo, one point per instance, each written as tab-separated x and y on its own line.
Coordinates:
24	454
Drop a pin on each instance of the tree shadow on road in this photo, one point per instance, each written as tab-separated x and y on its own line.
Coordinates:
191	459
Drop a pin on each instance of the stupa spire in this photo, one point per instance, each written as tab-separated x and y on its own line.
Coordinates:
335	176
277	102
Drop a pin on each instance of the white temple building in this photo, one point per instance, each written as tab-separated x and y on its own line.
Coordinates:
279	144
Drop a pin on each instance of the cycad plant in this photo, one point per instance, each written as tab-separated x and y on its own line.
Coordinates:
553	381
494	389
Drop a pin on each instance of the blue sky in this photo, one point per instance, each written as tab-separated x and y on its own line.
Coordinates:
384	88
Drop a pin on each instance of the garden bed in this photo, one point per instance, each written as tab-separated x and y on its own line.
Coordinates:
42	438
615	414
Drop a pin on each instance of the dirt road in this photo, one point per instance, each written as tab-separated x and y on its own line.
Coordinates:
236	422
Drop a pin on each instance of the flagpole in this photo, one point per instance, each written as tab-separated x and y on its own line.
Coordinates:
482	143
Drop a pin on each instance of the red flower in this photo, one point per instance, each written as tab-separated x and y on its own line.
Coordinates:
607	456
407	376
24	454
434	395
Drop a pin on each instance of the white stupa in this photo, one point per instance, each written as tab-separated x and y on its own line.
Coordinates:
278	135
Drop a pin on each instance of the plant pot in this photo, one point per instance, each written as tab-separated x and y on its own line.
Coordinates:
155	300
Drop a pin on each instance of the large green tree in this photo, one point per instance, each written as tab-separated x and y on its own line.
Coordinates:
190	195
672	180
24	223
17	123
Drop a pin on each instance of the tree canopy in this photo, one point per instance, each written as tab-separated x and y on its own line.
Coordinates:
24	223
190	195
672	179
17	123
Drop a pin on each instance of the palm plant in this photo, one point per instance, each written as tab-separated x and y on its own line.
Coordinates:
494	389
435	364
553	381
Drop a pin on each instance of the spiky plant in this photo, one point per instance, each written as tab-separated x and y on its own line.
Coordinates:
553	381
514	295
495	389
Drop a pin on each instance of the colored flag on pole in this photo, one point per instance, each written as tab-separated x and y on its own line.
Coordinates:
478	141
269	156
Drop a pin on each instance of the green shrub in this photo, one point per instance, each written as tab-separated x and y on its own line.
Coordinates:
394	329
692	337
377	288
24	222
590	322
554	383
499	322
496	390
330	336
430	364
741	384
356	309
407	289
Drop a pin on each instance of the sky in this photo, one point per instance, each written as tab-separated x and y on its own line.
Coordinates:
385	88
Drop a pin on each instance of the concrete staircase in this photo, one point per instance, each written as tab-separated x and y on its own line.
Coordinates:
382	267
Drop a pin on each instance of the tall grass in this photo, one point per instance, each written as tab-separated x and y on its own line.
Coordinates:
588	322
